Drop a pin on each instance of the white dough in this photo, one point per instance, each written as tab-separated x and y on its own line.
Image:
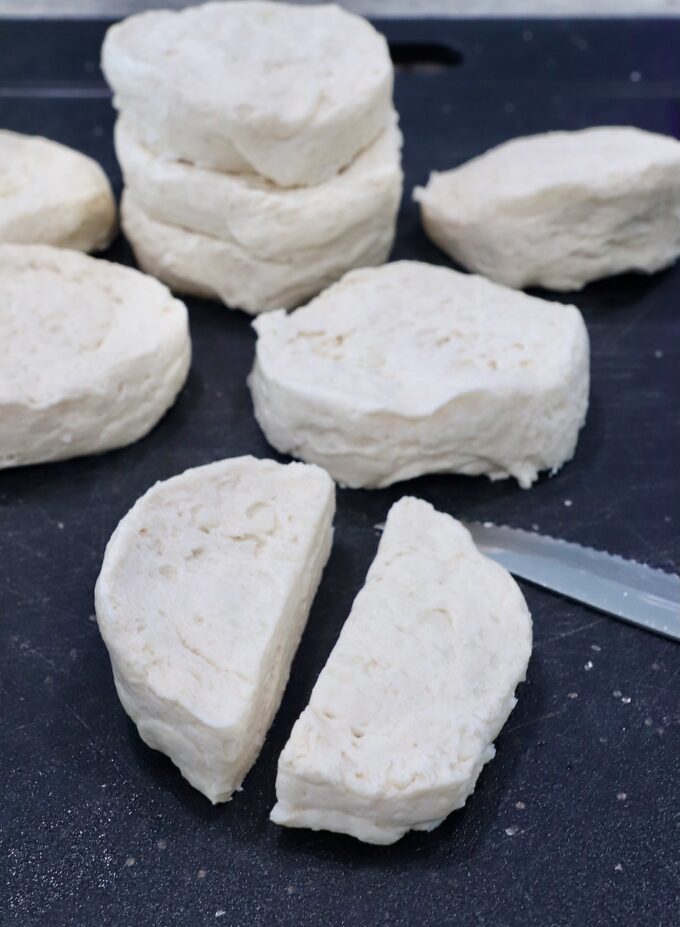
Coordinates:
560	209
292	93
269	222
204	591
92	354
53	195
410	368
418	686
203	265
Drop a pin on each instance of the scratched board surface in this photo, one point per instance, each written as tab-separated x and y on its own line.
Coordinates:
576	819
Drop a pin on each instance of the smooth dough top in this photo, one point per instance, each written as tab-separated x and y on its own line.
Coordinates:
198	573
66	319
252	70
52	194
406	337
606	158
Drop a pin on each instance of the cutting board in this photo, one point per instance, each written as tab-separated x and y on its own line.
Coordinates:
576	819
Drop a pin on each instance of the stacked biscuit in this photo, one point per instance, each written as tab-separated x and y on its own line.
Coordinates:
259	148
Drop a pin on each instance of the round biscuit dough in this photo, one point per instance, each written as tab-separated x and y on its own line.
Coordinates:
92	354
53	195
289	92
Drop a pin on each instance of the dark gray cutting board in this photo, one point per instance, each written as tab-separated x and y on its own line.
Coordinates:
99	830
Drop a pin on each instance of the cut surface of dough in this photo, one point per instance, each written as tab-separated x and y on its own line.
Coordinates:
417	688
204	591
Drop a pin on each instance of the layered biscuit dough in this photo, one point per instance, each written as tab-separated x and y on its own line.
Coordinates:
92	354
254	215
217	268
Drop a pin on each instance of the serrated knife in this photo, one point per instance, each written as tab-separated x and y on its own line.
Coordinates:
606	582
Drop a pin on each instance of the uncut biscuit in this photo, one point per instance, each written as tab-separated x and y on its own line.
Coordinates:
269	222
292	93
560	209
202	265
53	195
92	354
409	368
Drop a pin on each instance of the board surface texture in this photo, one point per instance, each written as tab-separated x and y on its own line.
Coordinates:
575	820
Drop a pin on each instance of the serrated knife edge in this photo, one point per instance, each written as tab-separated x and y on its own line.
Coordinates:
628	590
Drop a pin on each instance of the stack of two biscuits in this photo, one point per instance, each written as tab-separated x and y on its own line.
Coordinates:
259	148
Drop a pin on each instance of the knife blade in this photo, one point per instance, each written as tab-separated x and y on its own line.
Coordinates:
628	590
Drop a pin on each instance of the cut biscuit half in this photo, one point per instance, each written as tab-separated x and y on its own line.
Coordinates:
418	686
203	594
